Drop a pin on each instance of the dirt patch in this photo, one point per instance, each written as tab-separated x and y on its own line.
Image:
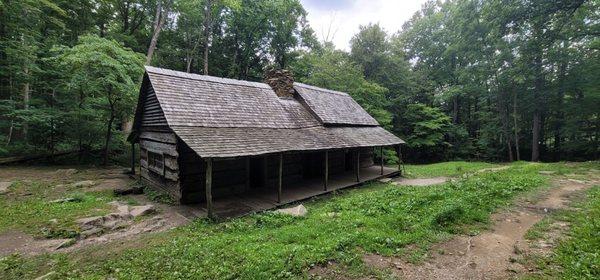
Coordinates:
22	243
332	270
420	182
62	180
493	254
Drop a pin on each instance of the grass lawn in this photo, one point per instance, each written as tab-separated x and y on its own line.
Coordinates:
28	207
377	218
445	169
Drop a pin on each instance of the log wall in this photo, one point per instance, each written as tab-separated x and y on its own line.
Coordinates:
161	142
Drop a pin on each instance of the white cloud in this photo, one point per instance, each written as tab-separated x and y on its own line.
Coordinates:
340	19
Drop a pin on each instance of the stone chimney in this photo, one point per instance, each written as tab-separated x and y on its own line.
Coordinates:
281	81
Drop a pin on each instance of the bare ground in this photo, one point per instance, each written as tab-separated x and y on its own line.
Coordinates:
14	241
493	254
420	181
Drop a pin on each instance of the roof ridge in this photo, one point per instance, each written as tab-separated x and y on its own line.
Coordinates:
207	78
321	89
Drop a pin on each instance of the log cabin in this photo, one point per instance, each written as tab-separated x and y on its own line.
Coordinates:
203	138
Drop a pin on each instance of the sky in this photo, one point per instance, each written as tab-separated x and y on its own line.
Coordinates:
338	20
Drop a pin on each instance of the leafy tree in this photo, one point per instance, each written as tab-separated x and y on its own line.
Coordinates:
107	73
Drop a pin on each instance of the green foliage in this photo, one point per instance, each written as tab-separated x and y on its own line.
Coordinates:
158	196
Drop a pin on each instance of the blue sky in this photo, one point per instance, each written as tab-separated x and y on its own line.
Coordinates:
338	20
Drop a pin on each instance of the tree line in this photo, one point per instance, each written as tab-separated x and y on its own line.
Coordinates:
496	80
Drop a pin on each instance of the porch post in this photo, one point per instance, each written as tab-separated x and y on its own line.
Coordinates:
209	202
399	153
358	165
280	177
326	170
133	158
381	151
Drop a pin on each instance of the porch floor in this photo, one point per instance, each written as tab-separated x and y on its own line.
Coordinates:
260	200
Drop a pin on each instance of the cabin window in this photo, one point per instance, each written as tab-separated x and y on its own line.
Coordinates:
156	162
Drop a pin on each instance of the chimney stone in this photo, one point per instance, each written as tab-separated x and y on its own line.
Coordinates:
281	81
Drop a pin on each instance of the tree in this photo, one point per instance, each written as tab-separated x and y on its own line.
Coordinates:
162	12
104	70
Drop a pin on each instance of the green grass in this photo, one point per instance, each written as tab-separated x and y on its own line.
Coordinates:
577	255
27	207
378	218
445	169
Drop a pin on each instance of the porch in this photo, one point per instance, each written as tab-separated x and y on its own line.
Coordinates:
265	199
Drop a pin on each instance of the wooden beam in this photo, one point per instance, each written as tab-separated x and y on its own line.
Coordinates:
358	165
381	151
133	158
326	170
208	187
280	178
399	153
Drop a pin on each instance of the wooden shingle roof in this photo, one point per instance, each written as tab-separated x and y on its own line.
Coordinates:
219	117
334	107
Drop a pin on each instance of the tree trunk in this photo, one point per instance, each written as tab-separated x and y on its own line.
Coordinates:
26	98
188	63
159	21
504	117
455	109
10	132
207	31
108	133
537	114
516	127
559	110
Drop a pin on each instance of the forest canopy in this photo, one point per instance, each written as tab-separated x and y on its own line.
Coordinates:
496	80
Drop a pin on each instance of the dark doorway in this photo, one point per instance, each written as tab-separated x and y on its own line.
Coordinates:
257	172
349	161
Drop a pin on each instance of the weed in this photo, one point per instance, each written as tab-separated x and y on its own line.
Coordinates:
158	196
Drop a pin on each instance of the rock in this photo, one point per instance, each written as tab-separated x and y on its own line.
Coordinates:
81	184
114	224
46	276
66	243
66	172
4	187
514	268
63	200
91	232
385	180
546	172
131	190
91	222
576	181
137	211
123	209
333	214
298	211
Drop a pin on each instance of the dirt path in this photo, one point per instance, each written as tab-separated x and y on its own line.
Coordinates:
420	181
492	254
